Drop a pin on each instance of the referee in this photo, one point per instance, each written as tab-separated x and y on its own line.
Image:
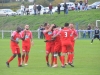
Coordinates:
96	34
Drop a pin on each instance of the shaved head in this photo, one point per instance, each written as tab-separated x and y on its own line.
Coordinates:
27	27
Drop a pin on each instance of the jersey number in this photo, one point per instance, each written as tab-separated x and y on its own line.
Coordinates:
65	34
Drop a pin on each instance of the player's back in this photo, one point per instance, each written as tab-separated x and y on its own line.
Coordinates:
65	34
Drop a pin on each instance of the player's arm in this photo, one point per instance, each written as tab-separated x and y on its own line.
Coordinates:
23	33
46	31
55	35
12	39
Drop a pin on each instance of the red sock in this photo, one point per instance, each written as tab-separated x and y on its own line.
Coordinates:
63	60
47	57
11	58
52	60
19	61
26	58
70	58
55	60
23	57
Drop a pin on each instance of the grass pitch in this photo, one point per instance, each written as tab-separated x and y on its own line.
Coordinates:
86	62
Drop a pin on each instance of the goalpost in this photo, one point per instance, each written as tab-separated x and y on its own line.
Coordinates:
97	22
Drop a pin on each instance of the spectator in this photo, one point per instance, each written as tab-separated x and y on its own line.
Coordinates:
89	28
39	9
41	32
34	7
84	33
65	8
81	5
85	6
76	6
22	9
59	8
50	8
27	10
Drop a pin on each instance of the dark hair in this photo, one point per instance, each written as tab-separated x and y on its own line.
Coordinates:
45	24
66	24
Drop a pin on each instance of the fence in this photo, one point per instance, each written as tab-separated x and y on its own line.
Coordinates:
37	34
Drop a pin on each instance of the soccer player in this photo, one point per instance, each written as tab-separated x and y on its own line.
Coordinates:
73	37
57	45
66	43
49	43
15	36
26	44
96	34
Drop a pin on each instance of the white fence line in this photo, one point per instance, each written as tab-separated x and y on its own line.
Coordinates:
38	33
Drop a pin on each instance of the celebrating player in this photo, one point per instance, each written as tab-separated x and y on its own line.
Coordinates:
49	43
26	44
73	37
15	36
96	34
57	45
66	43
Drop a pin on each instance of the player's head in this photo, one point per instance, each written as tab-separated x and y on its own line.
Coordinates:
19	29
71	25
27	27
66	25
46	25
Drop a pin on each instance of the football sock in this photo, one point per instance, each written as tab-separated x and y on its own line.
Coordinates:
55	60
92	41
26	58
63	60
23	57
47	57
19	61
52	60
70	58
11	58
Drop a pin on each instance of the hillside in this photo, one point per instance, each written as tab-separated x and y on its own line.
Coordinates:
81	19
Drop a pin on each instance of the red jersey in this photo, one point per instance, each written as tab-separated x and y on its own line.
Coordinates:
28	36
73	34
16	36
48	35
57	32
65	34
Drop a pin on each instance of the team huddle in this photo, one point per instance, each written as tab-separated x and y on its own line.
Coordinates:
59	42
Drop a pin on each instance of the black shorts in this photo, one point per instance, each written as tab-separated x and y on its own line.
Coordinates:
96	36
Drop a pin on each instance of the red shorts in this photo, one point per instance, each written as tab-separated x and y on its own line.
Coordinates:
57	47
26	48
67	47
15	49
49	47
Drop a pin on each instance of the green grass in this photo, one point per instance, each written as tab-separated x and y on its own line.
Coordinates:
82	19
87	60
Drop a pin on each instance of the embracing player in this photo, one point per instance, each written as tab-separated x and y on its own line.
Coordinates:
49	43
66	43
26	44
57	44
15	36
73	37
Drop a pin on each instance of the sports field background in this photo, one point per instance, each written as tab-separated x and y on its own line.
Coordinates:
87	60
